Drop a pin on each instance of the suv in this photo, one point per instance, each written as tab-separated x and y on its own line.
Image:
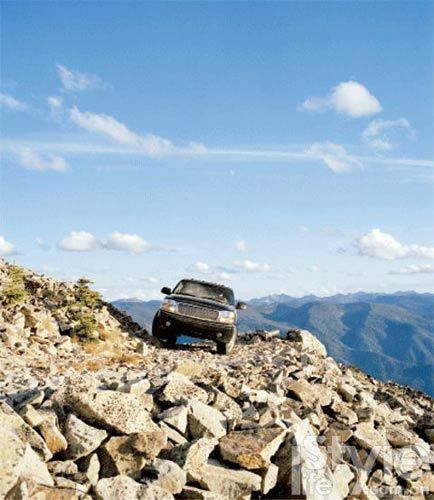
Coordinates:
198	309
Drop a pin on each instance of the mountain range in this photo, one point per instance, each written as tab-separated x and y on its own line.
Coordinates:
389	336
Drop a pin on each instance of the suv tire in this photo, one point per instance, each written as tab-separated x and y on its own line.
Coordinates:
167	338
226	347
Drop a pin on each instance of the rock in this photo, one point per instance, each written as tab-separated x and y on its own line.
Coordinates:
233	484
190	493
123	488
269	478
117	456
114	411
26	489
179	389
305	341
192	456
302	391
252	449
137	386
367	437
149	443
176	417
343	477
82	438
10	421
303	469
224	403
18	460
172	434
50	431
31	416
168	475
399	437
91	468
59	468
189	369
346	391
205	421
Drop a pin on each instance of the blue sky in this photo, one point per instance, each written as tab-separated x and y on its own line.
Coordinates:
277	147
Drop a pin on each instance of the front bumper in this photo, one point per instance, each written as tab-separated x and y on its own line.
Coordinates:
192	327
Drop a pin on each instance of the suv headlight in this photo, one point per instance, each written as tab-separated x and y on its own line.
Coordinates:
226	317
170	305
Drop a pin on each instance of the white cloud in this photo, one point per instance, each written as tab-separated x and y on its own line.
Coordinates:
31	159
381	245
108	126
414	269
334	156
315	269
303	229
251	266
241	245
349	98
79	241
375	135
124	242
6	248
73	80
42	244
55	103
10	102
202	267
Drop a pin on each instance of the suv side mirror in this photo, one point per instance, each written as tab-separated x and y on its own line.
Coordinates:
166	290
241	305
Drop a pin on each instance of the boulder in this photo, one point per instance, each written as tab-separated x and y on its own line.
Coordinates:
343	477
167	475
18	460
303	470
91	467
190	493
306	341
269	478
149	443
176	417
117	456
137	386
302	391
123	488
205	421
82	438
10	421
367	437
191	456
399	436
224	403
233	484
179	389
252	449
114	411
49	429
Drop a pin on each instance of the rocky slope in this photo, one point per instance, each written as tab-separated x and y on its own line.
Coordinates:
122	418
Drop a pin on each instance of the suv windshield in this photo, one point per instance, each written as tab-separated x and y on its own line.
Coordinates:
205	291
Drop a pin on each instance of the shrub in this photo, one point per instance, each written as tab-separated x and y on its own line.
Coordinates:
14	290
86	296
86	331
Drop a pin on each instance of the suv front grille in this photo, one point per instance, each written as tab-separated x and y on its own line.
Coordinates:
198	312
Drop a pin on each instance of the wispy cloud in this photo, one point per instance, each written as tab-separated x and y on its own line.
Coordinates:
376	133
414	269
108	126
10	102
55	104
214	272
349	98
7	248
83	241
380	245
241	245
252	266
74	81
334	156
32	160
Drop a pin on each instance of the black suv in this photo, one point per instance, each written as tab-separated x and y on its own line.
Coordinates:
198	309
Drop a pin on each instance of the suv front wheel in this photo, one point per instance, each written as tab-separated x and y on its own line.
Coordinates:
226	347
159	331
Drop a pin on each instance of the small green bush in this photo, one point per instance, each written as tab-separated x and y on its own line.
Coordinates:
87	330
84	295
14	290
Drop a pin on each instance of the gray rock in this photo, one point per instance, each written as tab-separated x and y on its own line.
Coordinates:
123	488
168	475
205	421
82	438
